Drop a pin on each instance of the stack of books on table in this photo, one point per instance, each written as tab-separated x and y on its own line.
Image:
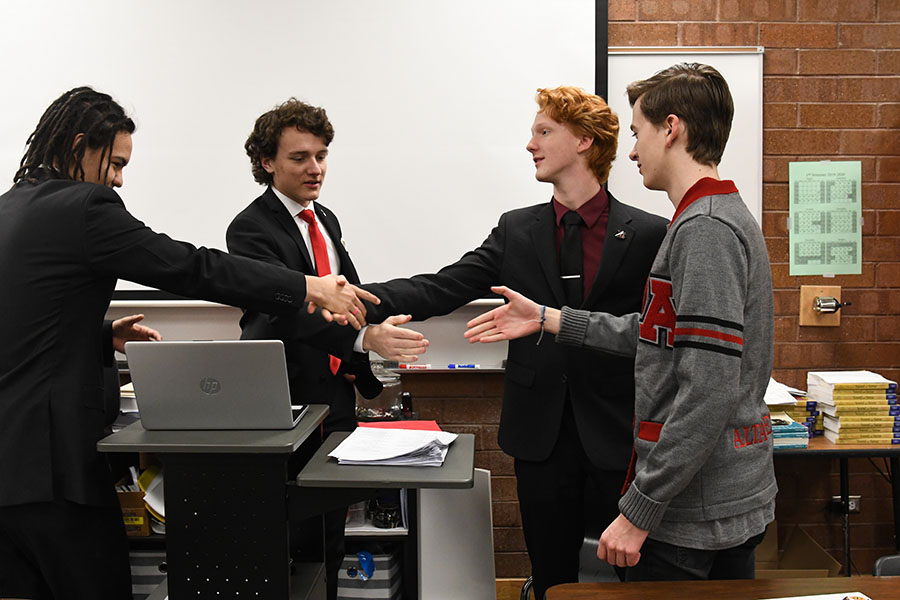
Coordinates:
858	407
788	433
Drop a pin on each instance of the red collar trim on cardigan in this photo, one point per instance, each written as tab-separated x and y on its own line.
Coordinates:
704	187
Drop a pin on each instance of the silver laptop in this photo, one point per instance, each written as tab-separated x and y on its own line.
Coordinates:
212	385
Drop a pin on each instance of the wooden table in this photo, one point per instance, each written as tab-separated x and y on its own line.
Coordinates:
821	447
877	588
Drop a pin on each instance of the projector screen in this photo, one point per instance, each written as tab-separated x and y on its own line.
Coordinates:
432	102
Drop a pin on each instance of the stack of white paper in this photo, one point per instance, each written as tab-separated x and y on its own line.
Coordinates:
373	446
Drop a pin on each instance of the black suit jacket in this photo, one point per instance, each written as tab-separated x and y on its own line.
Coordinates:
63	244
266	231
520	253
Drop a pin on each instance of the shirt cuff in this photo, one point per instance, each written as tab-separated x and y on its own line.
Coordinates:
358	344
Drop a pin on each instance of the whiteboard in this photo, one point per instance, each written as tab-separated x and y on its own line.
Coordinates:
742	68
432	103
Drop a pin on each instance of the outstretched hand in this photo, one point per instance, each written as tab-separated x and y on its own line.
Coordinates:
393	342
127	329
518	318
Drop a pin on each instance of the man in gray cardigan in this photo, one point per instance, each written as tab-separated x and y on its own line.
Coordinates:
701	488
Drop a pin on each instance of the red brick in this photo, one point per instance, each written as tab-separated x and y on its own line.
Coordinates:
643	34
888	62
512	564
780	115
503	489
888	169
786	329
888	10
889	224
792	377
719	34
808	356
774	224
837	115
868	356
760	10
880	249
870	36
800	89
887	328
677	10
471	410
508	539
843	12
887	275
775	168
872	141
778	249
797	141
889	115
506	514
775	195
873	302
837	62
798	35
779	61
868	89
786	302
881	195
621	10
852	329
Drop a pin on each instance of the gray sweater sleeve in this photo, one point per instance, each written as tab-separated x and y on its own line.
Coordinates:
599	331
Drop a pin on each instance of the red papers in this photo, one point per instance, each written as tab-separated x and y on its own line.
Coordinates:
417	425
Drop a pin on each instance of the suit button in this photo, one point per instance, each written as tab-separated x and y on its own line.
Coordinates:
565	378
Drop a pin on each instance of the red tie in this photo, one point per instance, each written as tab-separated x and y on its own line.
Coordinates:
323	267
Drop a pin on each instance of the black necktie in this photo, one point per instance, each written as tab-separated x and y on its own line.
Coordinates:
571	259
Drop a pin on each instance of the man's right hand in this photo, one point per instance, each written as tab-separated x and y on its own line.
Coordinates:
339	300
395	343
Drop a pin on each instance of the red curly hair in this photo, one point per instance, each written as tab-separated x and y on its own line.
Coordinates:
584	114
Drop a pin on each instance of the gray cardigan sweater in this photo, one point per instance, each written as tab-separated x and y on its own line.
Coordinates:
703	358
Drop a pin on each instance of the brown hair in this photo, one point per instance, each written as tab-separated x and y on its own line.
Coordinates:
585	114
699	96
263	140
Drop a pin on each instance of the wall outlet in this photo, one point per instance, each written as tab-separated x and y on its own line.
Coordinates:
854	503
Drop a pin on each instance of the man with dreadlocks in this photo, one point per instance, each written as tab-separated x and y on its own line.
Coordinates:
65	237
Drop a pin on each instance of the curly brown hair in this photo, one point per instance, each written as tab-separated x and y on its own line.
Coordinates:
585	114
263	140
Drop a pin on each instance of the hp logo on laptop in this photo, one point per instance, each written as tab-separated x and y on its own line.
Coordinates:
210	386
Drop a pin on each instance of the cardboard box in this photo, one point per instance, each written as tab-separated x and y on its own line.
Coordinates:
800	557
134	513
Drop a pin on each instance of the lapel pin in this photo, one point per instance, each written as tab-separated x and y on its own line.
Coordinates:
621	234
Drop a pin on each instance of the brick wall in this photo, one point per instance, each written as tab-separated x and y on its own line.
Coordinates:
831	88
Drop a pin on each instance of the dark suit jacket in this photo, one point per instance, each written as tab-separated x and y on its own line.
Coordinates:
63	244
520	253
266	231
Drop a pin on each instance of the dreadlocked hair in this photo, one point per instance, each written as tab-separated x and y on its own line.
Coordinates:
51	151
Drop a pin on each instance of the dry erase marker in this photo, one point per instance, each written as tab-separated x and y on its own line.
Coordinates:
463	366
406	366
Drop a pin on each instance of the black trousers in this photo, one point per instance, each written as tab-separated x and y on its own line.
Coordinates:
561	499
63	551
666	562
